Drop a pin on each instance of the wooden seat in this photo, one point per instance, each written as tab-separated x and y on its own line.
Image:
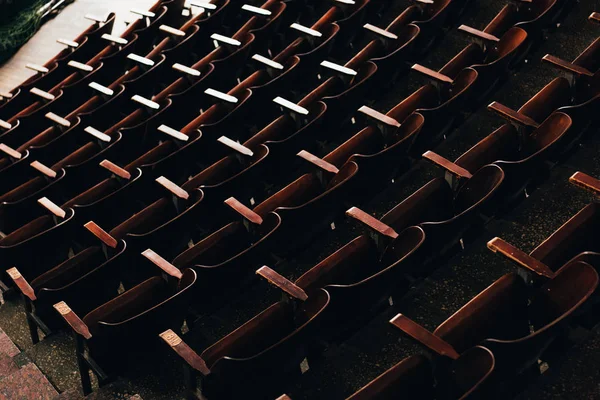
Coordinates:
128	323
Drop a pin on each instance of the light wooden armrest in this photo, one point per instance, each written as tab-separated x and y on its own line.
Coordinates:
37	68
431	74
380	32
185	352
73	320
172	31
511	115
290	105
145	102
41	93
43	169
226	40
94	18
371	222
80	66
21	283
115	169
244	211
52	207
5	125
318	162
284	397
101	234
520	257
9	151
256	10
478	34
235	146
379	117
595	17
267	61
58	120
186	70
203	4
221	96
447	165
306	30
338	68
173	188
102	89
424	337
282	283
163	264
566	66
167	130
68	43
114	39
143	13
585	181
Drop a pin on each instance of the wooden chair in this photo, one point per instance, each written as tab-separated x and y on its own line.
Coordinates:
40	243
443	213
129	322
465	378
527	318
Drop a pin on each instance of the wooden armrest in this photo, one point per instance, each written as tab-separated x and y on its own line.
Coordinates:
284	397
512	115
305	30
244	211
58	120
115	169
267	61
595	17
102	89
7	95
424	1
114	39
80	66
167	130
380	32
566	66
73	320
172	31
424	337
142	13
94	18
173	188
202	4
186	70
140	60
52	207
163	264
101	234
371	222
185	352
479	34
226	40
520	257
256	10
43	169
5	125
318	162
145	102
21	283
235	146
97	134
585	181
37	68
382	118
282	283
338	68
221	96
41	93
68	43
447	165
290	105
431	74
9	151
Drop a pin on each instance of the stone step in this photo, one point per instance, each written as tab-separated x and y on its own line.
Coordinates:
7	366
7	346
27	383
